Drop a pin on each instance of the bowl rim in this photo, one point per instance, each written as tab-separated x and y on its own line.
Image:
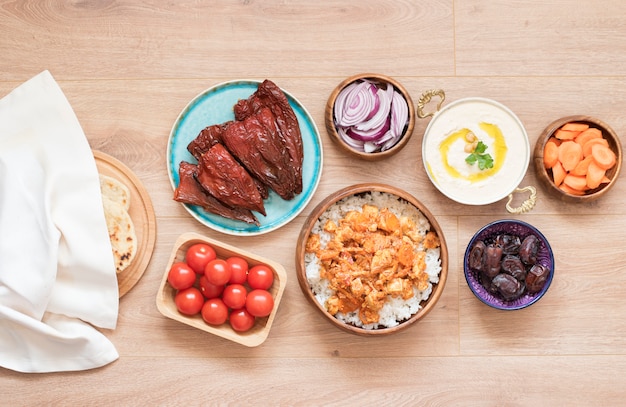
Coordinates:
534	230
321	207
545	178
329	116
477	99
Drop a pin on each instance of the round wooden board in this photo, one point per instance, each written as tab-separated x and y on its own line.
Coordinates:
141	212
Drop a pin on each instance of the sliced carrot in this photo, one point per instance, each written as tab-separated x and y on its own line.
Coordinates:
570	153
558	173
566	134
575	182
550	153
571	191
603	156
594	176
582	161
574	126
587	135
587	146
581	167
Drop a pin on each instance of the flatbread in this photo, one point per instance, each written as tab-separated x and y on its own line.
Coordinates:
116	203
115	190
121	233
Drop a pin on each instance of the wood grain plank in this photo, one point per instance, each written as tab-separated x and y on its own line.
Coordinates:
335	381
126	39
556	38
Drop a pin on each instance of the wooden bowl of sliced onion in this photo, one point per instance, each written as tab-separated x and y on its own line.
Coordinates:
370	116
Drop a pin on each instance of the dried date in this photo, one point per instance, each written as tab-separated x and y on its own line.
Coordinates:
493	260
488	283
513	265
536	278
529	249
510	244
508	286
477	256
507	265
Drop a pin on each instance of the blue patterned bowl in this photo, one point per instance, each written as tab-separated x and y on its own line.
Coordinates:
545	257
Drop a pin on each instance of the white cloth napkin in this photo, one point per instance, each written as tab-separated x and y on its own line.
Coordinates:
57	273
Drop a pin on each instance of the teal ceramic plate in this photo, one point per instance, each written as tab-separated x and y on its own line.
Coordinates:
215	105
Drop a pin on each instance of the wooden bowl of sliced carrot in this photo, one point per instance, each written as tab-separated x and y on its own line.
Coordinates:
578	158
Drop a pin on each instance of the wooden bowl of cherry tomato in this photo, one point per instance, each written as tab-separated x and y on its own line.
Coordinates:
221	289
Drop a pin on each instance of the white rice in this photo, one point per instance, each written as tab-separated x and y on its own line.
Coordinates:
395	310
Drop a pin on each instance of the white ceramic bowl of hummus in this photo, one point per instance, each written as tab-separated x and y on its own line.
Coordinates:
444	151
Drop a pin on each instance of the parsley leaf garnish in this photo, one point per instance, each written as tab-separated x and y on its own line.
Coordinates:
483	160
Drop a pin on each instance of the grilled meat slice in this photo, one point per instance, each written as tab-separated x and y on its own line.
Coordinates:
208	137
189	191
224	178
265	193
270	95
255	142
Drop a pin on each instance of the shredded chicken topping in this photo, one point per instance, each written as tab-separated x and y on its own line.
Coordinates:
371	254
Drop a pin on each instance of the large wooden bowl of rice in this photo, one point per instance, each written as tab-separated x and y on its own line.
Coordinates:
372	259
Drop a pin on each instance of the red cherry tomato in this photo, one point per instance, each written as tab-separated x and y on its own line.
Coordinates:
210	290
239	270
199	255
217	271
181	276
234	296
214	312
189	301
241	320
261	277
259	303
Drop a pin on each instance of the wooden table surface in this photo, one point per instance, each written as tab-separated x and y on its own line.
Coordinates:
128	68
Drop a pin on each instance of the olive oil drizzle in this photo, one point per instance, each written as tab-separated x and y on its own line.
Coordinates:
499	150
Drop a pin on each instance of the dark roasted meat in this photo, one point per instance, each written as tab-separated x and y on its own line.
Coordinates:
255	142
270	95
208	137
190	192
265	193
224	178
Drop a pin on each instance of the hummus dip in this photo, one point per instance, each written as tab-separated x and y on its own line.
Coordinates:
444	151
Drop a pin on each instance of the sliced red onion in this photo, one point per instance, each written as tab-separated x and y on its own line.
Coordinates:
357	145
381	115
371	134
356	106
388	136
399	118
369	147
390	143
399	114
369	118
374	91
